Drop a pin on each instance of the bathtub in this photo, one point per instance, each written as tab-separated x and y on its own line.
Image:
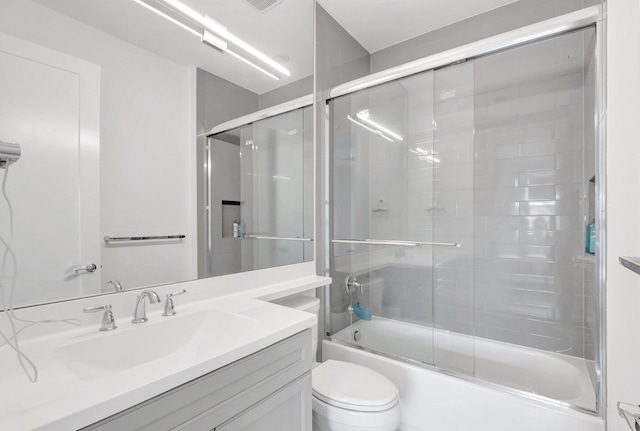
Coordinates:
439	401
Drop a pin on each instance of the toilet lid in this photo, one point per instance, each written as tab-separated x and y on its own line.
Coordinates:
353	387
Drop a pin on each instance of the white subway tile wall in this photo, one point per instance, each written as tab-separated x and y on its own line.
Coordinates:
531	275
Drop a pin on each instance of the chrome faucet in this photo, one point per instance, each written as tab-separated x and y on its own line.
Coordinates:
115	284
139	313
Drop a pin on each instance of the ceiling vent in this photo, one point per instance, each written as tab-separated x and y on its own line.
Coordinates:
264	5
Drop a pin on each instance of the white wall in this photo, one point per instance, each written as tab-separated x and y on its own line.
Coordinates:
623	206
147	130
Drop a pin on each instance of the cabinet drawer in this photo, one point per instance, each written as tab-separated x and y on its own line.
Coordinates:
289	409
235	386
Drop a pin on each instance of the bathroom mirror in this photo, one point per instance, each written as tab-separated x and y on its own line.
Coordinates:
110	103
256	176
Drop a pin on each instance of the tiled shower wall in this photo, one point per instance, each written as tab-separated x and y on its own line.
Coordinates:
530	196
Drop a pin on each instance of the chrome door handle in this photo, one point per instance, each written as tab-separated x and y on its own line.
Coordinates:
89	268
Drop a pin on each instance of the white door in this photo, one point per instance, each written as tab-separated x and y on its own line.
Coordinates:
49	104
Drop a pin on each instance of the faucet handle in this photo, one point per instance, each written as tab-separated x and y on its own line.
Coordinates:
169	308
351	284
108	321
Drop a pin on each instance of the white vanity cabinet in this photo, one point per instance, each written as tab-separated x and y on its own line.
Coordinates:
268	390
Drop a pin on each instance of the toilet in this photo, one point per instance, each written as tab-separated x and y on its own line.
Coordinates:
346	396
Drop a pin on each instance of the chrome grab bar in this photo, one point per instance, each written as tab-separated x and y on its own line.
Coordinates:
394	242
280	238
142	238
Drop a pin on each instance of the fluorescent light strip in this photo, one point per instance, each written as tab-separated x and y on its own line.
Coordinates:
251	50
364	116
252	65
224	33
377	132
164	15
194	32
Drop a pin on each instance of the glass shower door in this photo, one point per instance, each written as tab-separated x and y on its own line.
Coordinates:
275	173
452	214
496	154
382	177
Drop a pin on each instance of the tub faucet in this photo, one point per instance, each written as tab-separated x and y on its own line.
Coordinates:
139	313
360	310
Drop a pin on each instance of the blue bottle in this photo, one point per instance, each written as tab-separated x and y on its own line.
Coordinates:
590	238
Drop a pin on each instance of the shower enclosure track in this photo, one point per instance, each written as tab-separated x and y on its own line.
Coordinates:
511	39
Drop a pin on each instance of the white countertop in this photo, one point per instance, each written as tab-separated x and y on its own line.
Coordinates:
70	394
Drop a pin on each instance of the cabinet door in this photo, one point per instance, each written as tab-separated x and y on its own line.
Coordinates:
287	410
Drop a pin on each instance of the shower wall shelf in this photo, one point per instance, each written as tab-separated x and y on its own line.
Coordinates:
394	242
142	238
632	263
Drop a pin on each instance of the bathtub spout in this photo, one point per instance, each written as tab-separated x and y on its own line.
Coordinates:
361	311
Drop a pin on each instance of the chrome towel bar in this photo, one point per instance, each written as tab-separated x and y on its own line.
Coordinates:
394	242
142	238
279	238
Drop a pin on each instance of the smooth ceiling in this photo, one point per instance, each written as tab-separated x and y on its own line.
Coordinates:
285	31
378	24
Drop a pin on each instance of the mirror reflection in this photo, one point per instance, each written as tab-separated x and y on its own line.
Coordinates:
110	103
258	175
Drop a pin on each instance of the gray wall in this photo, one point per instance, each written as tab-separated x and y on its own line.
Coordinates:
218	100
339	58
299	88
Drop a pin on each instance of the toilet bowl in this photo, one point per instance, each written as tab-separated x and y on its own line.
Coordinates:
350	397
346	396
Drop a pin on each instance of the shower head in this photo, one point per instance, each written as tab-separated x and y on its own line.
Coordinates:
9	153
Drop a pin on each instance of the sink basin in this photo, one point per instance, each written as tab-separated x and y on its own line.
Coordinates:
195	334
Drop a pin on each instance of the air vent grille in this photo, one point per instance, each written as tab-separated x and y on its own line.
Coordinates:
264	5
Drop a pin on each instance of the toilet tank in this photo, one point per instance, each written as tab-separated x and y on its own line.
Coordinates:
310	305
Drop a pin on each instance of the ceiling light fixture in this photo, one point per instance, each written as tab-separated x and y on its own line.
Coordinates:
364	116
215	35
214	41
253	65
377	132
222	31
167	17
